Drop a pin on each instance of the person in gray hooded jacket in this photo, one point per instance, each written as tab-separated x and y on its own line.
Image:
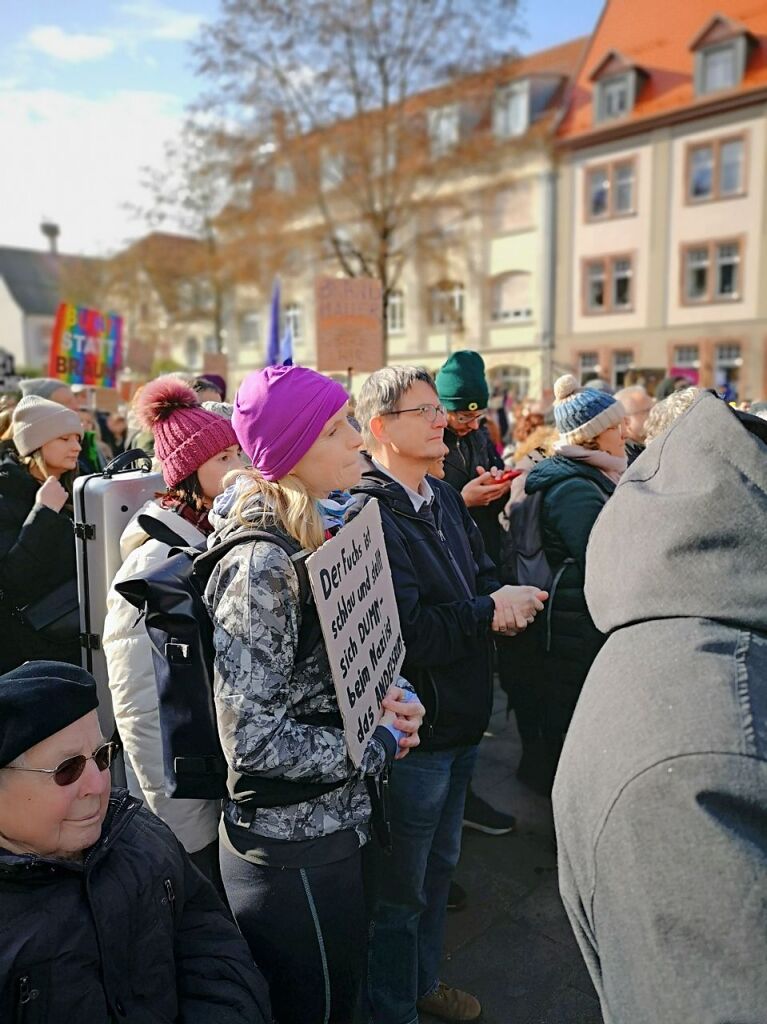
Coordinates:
660	800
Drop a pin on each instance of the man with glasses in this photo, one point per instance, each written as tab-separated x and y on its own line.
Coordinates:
449	604
637	404
104	916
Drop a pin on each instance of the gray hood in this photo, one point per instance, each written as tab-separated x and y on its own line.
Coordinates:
685	534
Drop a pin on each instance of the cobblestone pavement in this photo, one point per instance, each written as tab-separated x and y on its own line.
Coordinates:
512	946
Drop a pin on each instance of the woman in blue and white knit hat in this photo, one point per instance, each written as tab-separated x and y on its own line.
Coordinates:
575	482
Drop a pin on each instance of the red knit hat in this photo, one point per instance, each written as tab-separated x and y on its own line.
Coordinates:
185	434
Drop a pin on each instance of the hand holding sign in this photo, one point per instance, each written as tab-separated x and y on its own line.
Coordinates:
352	587
407	717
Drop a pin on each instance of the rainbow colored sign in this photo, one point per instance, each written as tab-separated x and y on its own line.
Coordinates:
86	346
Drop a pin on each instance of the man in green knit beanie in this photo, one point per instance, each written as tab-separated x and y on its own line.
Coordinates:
471	466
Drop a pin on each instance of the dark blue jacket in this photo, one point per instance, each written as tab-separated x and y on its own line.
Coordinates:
442	577
132	933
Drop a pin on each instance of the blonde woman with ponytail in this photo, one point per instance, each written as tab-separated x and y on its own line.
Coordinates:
298	813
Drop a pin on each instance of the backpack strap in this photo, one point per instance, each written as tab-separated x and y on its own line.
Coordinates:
155	529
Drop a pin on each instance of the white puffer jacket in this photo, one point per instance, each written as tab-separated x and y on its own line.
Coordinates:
134	693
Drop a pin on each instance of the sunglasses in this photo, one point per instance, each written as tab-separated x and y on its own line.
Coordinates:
69	771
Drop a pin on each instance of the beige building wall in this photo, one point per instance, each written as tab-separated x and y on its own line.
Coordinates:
660	321
476	252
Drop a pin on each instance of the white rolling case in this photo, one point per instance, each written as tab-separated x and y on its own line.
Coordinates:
104	503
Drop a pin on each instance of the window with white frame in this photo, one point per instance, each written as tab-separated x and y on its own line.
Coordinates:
715	170
614	97
596	277
622	364
730	171
395	313
598	192
711	272
610	190
511	297
444	126
727	365
284	178
250	329
331	170
726	282
623	188
515	380
719	68
446	304
621	283
588	366
511	107
697	269
687	357
294	321
514	207
609	284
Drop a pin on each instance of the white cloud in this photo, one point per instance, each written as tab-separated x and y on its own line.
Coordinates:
161	22
79	160
73	47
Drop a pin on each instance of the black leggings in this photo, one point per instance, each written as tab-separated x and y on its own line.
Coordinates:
307	932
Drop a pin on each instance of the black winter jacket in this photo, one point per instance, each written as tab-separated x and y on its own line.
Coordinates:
133	933
463	456
37	554
442	577
575	494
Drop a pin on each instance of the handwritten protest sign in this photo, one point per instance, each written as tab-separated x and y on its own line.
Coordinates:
352	587
349	324
86	346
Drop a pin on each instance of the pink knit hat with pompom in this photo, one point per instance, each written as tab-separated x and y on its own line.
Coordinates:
185	434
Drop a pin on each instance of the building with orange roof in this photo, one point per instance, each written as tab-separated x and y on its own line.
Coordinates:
662	200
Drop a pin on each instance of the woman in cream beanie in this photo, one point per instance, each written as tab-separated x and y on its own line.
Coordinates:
37	541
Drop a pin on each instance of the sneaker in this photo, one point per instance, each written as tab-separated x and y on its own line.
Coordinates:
450	1004
479	815
456	897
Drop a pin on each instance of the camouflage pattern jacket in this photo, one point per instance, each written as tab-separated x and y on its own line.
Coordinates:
260	690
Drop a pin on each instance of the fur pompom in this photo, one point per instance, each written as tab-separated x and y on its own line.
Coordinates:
565	386
158	399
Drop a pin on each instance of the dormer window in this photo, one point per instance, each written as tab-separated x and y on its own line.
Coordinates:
444	127
511	110
617	83
718	68
721	51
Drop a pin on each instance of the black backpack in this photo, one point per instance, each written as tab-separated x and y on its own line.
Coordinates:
523	560
181	633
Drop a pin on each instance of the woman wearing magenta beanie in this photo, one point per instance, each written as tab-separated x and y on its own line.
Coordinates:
298	812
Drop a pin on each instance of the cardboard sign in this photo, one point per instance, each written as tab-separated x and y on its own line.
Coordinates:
349	324
86	346
352	586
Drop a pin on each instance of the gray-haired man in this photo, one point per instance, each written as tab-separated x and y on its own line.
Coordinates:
449	603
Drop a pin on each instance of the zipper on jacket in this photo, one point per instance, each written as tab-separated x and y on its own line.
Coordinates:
435	691
25	993
170	896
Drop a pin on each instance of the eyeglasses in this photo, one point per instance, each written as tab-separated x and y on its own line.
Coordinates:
465	418
69	771
429	412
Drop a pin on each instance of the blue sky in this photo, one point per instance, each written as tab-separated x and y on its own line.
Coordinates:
91	89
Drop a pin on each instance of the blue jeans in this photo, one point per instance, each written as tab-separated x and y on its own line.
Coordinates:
428	790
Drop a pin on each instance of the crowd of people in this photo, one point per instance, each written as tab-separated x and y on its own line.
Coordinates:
604	557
